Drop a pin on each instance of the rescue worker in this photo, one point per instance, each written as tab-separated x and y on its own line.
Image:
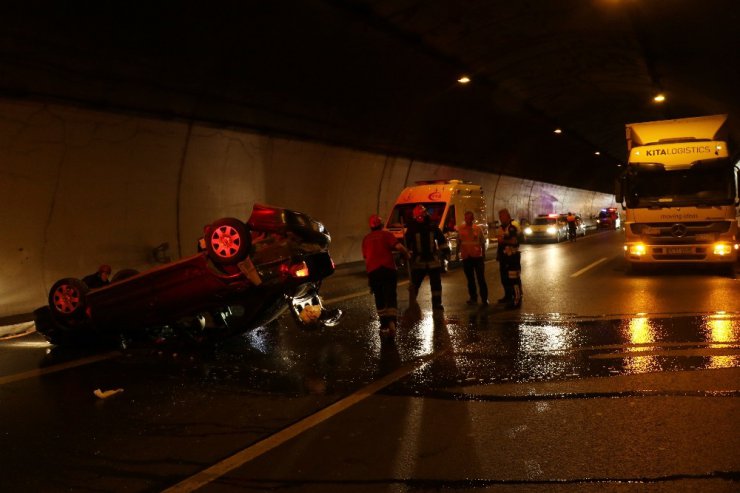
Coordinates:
571	218
471	244
509	260
377	250
99	278
427	246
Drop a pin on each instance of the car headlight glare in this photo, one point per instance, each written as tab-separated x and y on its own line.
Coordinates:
527	231
551	230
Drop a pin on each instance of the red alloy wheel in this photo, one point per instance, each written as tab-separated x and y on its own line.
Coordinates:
67	298
226	241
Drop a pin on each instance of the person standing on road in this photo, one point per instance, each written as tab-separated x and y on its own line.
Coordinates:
571	218
471	245
428	247
509	260
377	250
99	278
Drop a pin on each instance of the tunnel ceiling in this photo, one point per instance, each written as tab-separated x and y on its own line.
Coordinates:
381	75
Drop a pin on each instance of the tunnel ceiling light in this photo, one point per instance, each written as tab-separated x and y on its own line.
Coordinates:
659	98
464	79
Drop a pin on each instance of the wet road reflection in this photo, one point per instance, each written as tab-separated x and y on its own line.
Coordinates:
466	349
557	348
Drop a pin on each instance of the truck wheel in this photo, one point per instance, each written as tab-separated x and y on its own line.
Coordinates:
228	241
67	298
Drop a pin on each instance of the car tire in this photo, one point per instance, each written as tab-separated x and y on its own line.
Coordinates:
68	299
52	331
228	241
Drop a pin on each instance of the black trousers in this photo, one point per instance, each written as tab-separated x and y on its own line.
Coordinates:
435	282
474	268
510	268
383	284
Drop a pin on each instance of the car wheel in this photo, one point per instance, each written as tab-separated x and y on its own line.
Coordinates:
67	298
228	241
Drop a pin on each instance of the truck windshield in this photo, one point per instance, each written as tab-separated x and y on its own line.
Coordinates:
404	213
703	183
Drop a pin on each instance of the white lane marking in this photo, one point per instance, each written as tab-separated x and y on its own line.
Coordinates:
53	369
590	266
240	458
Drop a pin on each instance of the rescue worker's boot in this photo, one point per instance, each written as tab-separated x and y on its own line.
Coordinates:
516	302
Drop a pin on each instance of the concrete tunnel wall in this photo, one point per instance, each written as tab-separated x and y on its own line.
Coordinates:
80	188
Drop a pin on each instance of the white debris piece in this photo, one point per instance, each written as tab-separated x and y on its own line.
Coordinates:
104	394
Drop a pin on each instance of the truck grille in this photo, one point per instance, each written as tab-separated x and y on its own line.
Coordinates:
680	233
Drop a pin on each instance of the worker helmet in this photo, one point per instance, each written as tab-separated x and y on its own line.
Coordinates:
420	212
375	221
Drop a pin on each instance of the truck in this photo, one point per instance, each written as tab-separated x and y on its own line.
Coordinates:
446	202
679	192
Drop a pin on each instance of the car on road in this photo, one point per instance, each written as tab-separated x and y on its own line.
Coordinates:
580	225
546	227
608	219
246	275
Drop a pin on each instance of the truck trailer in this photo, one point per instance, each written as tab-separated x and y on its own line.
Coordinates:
679	191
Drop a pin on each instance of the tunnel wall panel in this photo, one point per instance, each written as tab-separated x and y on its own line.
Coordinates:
79	188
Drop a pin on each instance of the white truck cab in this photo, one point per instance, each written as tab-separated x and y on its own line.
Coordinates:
679	192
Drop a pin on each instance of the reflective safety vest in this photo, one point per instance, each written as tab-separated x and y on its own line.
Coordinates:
508	239
471	241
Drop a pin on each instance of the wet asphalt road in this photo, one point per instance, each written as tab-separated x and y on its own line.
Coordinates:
603	381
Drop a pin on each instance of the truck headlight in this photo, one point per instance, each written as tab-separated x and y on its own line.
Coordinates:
722	249
527	231
636	249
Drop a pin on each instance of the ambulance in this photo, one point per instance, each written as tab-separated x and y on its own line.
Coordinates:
446	202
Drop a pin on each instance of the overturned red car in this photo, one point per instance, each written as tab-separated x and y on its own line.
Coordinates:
244	276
